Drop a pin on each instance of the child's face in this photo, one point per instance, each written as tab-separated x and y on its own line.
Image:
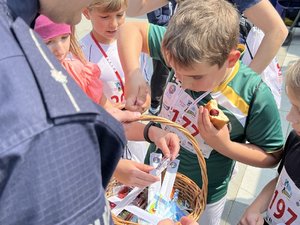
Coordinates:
59	46
294	115
105	24
202	77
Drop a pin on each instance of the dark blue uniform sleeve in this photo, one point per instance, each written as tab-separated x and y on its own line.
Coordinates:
242	5
160	16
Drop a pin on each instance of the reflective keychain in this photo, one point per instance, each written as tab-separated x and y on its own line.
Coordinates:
161	167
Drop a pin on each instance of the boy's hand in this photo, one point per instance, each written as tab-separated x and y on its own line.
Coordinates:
251	218
137	92
136	174
215	138
168	142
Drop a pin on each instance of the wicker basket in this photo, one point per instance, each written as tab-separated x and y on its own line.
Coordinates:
189	190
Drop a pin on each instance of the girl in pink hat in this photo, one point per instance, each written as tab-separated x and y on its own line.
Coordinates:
61	40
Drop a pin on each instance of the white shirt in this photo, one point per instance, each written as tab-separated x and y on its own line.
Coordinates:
111	84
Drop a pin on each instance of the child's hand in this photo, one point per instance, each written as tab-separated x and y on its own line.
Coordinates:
135	174
187	221
183	221
137	92
168	142
119	105
215	138
251	217
123	115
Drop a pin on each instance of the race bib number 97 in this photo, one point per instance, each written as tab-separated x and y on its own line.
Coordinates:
284	207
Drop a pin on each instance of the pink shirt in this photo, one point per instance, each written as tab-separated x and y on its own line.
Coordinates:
86	76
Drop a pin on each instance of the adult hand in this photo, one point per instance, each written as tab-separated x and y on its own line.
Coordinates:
137	92
215	138
251	218
168	142
136	174
184	221
123	115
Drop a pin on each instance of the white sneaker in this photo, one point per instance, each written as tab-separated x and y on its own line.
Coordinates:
154	111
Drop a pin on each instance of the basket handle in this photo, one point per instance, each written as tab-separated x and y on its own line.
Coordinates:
200	157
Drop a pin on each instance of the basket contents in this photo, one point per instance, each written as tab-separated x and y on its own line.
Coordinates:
150	205
189	197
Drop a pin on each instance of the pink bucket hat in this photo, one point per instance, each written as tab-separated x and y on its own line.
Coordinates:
48	29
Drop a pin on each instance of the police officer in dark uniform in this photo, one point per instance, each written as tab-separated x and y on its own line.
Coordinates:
58	149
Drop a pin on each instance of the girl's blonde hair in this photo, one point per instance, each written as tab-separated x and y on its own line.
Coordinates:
293	77
75	47
108	5
201	31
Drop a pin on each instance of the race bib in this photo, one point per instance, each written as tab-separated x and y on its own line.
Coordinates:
284	207
178	107
113	91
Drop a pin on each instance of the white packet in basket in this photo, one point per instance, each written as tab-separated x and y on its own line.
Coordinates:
155	159
163	196
169	179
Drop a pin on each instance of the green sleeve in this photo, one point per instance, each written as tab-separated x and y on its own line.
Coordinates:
155	36
264	126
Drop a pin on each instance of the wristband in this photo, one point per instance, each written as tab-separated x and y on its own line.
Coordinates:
146	131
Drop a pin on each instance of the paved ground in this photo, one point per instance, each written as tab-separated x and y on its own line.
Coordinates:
249	180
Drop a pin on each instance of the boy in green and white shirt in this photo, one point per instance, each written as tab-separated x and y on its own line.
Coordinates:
200	47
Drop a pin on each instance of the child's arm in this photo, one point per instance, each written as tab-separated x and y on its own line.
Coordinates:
274	29
252	215
166	141
220	140
132	40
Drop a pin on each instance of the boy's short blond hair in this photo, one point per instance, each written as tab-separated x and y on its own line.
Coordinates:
293	77
201	31
108	5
